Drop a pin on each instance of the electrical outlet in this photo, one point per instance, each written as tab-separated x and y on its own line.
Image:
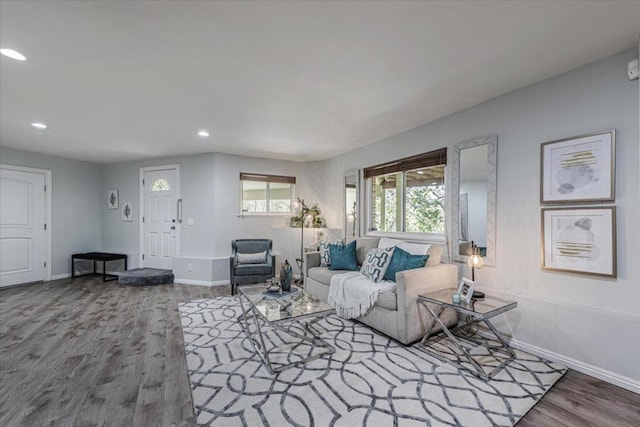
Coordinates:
189	267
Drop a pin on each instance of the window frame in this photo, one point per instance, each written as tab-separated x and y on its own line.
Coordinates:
268	179
404	165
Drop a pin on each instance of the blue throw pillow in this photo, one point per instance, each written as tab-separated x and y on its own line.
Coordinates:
343	257
403	260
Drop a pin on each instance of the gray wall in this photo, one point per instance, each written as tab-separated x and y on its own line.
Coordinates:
210	190
588	319
77	199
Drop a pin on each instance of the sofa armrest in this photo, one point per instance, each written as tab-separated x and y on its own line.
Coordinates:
422	280
412	283
311	259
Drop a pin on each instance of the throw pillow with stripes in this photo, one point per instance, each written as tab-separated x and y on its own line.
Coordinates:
376	263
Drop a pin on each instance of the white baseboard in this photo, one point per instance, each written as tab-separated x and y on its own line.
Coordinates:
200	282
60	276
577	365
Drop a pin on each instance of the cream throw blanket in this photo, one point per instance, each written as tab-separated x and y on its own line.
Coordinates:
353	294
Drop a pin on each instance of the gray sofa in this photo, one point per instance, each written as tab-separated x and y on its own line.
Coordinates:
397	314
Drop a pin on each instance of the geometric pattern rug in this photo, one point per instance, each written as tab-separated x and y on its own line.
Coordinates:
369	380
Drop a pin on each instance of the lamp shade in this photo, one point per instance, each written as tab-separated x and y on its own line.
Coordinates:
475	261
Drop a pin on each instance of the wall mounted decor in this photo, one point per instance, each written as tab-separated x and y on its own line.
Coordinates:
474	172
126	213
580	240
112	199
580	169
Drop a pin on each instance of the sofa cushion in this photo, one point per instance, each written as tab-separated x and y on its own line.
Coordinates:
364	245
251	269
435	255
376	263
343	257
412	248
252	258
415	248
388	300
386	242
403	260
323	274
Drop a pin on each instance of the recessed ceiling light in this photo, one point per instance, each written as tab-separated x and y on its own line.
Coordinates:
420	172
203	133
13	54
38	125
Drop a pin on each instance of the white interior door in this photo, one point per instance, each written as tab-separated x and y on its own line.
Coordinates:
22	227
160	220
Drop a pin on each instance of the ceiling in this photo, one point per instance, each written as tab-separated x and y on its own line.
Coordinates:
118	81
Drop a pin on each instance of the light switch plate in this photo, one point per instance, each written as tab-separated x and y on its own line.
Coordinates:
191	221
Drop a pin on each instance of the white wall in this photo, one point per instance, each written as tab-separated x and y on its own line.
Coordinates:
589	319
77	198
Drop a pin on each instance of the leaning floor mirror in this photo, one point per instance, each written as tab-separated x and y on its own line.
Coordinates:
351	205
473	200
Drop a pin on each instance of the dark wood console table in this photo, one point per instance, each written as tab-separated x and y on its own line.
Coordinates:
96	257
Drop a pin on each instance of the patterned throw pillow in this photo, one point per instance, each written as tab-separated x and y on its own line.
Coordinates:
403	260
325	258
343	257
376	263
257	258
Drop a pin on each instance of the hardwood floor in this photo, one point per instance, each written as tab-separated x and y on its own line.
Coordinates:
85	353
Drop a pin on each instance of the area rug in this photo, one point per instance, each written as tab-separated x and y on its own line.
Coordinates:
371	380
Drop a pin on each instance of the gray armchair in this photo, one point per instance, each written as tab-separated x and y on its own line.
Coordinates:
254	272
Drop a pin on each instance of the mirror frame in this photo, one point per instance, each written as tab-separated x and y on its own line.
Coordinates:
492	174
349	173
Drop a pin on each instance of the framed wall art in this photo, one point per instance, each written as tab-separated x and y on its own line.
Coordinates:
112	199
126	213
580	169
580	240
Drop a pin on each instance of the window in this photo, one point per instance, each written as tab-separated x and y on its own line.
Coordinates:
160	184
262	194
407	195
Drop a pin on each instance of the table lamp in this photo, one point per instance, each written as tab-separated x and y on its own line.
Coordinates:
475	260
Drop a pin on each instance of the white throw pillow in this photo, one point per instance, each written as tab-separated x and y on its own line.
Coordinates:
376	263
414	248
388	243
325	256
256	258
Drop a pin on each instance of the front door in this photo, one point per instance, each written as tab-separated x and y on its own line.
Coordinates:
22	227
160	187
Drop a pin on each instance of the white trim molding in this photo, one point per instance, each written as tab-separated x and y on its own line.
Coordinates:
577	365
201	282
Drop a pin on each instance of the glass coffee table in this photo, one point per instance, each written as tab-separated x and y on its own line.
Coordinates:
476	311
287	313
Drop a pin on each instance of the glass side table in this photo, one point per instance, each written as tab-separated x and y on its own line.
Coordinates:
475	312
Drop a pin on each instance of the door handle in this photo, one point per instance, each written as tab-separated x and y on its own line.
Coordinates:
179	210
173	227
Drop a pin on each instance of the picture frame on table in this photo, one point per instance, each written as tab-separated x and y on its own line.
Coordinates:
580	240
465	289
580	169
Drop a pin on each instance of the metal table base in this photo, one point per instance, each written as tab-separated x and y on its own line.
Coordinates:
258	342
453	339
